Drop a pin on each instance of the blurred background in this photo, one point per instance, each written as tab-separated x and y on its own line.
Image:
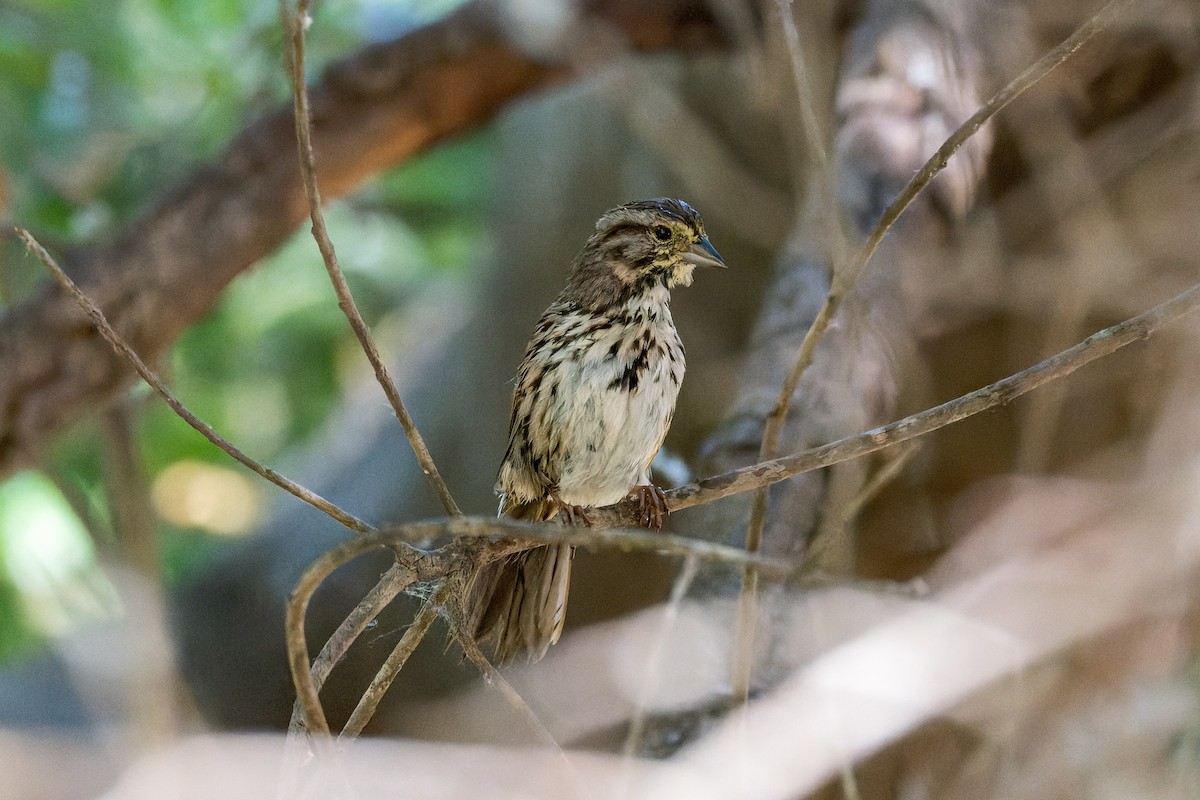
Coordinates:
143	574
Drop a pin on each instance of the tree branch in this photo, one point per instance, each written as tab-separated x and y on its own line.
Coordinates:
295	25
765	473
392	665
369	112
123	350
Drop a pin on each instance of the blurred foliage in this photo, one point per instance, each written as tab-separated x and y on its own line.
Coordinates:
107	106
50	576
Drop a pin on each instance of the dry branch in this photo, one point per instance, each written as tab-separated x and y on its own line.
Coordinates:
1096	346
295	25
393	664
123	349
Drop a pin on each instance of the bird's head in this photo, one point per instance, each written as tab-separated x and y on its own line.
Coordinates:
640	246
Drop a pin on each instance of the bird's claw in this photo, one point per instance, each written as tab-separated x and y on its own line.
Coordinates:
651	506
569	514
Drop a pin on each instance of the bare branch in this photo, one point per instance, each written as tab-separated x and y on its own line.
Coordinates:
295	25
394	581
599	535
417	564
1096	346
492	675
121	347
393	664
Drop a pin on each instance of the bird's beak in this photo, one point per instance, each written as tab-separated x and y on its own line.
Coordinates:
703	254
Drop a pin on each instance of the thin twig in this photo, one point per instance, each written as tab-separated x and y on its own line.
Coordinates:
846	276
421	565
609	537
119	344
1096	346
494	678
394	581
296	25
887	473
654	661
393	664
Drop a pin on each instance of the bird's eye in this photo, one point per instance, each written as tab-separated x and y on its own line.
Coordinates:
662	233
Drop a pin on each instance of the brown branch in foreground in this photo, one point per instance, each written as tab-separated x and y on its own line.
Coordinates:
393	664
295	25
478	541
394	581
845	276
370	111
121	347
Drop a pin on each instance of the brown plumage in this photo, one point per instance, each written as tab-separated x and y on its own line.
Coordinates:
594	398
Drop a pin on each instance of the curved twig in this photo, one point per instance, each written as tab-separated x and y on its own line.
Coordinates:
419	564
394	581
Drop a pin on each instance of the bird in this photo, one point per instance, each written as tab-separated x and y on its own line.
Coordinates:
594	397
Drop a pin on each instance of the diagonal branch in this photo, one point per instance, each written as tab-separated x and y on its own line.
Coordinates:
765	473
295	25
393	664
394	581
122	348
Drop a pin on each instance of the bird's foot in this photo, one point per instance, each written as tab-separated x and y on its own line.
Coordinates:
569	514
651	506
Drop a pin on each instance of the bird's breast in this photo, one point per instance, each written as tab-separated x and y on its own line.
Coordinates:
623	388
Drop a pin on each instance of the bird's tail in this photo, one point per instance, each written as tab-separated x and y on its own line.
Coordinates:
522	599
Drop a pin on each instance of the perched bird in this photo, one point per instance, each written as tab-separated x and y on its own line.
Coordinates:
594	397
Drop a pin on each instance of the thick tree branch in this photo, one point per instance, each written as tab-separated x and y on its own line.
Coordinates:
371	111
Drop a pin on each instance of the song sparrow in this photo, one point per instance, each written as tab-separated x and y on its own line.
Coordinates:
594	398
